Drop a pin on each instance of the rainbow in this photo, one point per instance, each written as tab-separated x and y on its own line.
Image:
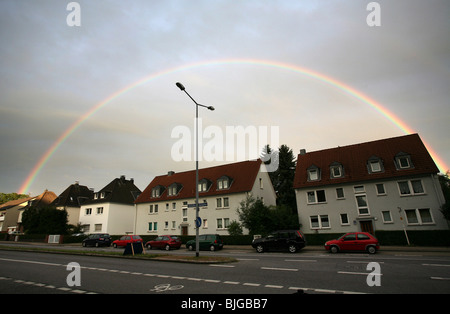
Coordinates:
274	64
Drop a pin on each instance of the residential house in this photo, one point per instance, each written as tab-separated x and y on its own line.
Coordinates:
112	209
71	200
11	212
389	184
167	205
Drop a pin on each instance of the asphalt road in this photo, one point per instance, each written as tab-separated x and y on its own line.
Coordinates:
315	272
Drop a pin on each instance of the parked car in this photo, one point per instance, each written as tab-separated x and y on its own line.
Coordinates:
166	242
282	240
354	241
210	242
124	240
97	239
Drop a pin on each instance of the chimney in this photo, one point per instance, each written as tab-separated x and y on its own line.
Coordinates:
170	173
302	151
122	178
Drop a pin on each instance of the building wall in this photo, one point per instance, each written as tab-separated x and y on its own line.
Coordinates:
395	206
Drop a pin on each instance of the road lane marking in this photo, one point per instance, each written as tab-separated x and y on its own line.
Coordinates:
437	265
276	268
251	284
273	286
300	260
439	278
222	265
30	262
357	273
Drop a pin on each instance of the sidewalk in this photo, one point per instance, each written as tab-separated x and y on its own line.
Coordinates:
443	249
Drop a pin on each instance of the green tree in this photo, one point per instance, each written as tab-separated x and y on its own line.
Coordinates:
261	219
6	197
235	228
46	220
444	180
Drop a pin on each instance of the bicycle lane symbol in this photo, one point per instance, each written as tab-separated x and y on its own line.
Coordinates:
166	287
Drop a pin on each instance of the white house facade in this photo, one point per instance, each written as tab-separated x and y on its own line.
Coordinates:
166	206
112	209
388	185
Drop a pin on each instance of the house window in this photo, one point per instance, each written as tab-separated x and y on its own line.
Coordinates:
403	161
336	170
174	206
223	223
102	195
223	183
319	222
153	209
374	165
315	197
173	224
99	210
340	193
157	191
361	202
185	214
167	207
88	211
313	173
419	216
204	185
359	189
387	218
223	202
380	189
98	227
174	188
205	223
411	187
166	225
344	220
153	226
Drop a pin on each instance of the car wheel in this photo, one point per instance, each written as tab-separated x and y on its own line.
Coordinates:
149	246
334	249
292	248
167	247
259	248
212	248
97	244
190	247
371	250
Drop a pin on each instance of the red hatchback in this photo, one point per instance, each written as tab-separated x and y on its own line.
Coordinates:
166	242
124	240
354	241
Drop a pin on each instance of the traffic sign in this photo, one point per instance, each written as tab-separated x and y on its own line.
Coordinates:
198	222
199	205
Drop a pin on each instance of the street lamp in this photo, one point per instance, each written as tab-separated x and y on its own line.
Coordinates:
182	88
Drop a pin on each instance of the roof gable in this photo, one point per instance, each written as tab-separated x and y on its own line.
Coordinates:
118	190
355	161
243	175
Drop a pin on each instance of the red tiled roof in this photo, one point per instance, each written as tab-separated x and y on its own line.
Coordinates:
354	161
243	175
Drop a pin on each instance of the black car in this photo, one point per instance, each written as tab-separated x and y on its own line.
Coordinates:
98	239
282	240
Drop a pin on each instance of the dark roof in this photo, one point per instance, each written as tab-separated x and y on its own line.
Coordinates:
118	190
354	159
243	175
74	196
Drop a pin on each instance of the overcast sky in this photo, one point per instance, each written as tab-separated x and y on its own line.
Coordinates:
52	74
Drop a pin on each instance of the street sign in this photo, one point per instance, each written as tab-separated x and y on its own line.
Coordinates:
199	205
198	222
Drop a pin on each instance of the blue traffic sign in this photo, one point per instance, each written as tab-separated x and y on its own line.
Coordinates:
198	222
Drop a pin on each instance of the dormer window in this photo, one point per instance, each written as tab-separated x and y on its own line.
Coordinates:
403	161
336	170
173	189
224	183
204	185
157	191
313	173
375	164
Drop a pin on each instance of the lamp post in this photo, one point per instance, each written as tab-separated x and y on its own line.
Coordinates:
182	88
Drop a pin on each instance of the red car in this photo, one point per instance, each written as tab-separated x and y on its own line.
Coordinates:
166	242
354	241
129	238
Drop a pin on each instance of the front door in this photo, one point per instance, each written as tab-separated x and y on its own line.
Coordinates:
184	230
366	226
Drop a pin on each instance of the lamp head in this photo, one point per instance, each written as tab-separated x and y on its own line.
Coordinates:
211	108
180	86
